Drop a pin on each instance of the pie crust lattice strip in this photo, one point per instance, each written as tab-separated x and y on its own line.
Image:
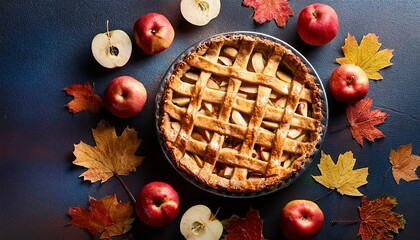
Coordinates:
240	113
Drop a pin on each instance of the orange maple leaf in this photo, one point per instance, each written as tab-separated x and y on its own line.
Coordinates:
84	98
112	155
378	222
362	121
266	10
404	164
106	217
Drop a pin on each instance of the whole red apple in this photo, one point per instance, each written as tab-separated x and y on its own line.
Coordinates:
349	83
317	24
157	204
125	97
301	220
153	33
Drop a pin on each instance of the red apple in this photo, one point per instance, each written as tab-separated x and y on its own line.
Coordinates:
317	24
125	97
157	204
153	33
301	220
349	83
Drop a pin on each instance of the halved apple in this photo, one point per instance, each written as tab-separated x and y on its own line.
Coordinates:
198	222
111	49
200	12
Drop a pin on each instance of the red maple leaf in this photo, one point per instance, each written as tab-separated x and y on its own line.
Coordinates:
362	121
84	98
249	228
106	217
266	10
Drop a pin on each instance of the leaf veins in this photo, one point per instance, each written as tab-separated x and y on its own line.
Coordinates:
112	155
404	164
266	10
363	121
84	98
366	55
378	222
106	217
341	176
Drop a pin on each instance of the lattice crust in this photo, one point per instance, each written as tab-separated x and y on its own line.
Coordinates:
241	113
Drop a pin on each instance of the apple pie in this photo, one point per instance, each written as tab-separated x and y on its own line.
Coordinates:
240	113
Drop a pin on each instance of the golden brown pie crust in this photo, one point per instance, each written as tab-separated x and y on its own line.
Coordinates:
226	122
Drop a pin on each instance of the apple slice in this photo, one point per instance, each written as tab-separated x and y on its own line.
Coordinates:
111	49
200	12
230	52
225	61
190	77
181	101
258	62
238	118
199	223
281	102
303	108
248	88
294	132
212	84
285	77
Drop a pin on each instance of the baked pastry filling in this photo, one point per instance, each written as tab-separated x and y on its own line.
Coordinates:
241	113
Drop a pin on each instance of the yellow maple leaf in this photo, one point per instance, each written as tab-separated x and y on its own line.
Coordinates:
112	155
367	56
341	176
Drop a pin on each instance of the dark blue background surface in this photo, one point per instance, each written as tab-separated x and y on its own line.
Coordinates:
45	47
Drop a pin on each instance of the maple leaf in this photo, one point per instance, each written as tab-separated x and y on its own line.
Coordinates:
106	217
378	222
404	164
84	98
266	10
363	121
366	56
111	156
249	228
341	176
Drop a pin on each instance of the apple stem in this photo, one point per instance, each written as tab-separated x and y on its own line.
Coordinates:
350	80
112	49
133	199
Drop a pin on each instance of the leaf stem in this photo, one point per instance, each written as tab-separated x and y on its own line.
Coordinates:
325	195
345	221
133	199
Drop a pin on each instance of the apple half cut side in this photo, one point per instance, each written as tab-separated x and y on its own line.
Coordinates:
112	49
200	12
199	223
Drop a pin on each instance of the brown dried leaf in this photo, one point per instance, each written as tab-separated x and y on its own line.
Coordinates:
378	222
112	155
404	164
